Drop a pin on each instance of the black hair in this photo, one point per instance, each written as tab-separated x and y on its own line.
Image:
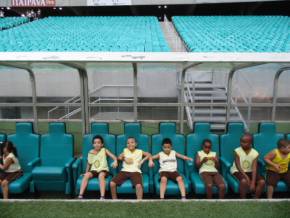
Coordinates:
132	137
10	148
247	134
98	137
206	141
282	143
167	141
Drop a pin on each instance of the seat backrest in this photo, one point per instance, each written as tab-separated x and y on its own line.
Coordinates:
57	147
2	138
267	138
109	143
178	145
99	128
194	140
231	140
133	130
167	129
26	142
288	137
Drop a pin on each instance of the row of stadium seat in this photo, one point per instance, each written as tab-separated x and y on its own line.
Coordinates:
9	22
49	163
136	34
234	33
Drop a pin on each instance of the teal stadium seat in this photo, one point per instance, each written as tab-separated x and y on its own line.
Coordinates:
27	144
194	144
288	137
264	142
53	172
234	33
228	143
90	33
79	166
9	22
134	129
2	138
168	130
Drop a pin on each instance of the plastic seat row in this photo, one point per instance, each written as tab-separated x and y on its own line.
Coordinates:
79	33
9	22
234	33
55	166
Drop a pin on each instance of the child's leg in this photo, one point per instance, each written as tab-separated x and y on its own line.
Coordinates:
272	180
85	181
163	185
117	180
208	181
219	182
5	188
102	180
181	186
260	186
137	181
244	185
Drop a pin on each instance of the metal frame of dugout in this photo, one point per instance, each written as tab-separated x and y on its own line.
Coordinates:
78	61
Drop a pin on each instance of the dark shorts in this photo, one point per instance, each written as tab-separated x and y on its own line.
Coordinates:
96	174
273	178
212	178
240	176
122	176
170	175
10	176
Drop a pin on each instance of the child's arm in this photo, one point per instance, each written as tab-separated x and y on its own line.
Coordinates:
155	157
216	162
199	162
183	157
121	157
147	156
254	174
113	157
269	160
8	162
238	165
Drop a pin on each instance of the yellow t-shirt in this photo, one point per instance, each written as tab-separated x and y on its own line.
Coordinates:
246	160
208	166
98	161
283	162
136	157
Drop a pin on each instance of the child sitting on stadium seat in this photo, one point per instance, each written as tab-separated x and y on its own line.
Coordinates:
132	161
245	168
168	167
11	169
278	166
208	164
97	166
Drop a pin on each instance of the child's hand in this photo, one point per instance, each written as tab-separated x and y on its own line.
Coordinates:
151	164
115	164
190	159
205	159
277	167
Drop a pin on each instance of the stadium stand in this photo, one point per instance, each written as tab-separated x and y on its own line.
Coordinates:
234	33
134	34
9	22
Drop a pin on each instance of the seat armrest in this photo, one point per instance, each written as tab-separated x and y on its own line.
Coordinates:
35	162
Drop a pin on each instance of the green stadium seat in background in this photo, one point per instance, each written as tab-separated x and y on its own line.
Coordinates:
168	130
53	172
27	145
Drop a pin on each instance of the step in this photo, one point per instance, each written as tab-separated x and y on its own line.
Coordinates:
209	98
214	119
213	111
208	86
